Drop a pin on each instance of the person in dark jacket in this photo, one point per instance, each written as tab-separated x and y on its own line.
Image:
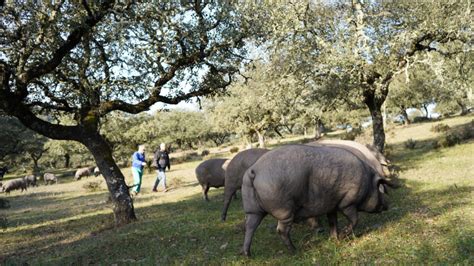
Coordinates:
161	160
138	162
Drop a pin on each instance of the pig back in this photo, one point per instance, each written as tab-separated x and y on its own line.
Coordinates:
359	150
239	164
211	172
303	177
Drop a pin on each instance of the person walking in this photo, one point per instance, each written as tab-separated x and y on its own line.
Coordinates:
138	162
161	160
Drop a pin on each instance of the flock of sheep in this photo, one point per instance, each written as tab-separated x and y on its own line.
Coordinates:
297	183
49	178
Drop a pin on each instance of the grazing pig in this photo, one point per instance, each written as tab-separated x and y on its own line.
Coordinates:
297	182
375	159
210	173
84	172
14	184
30	180
49	177
96	171
234	173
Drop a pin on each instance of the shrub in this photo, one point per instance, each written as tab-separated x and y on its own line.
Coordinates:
352	134
420	119
450	140
439	128
234	149
410	144
92	186
466	131
349	136
434	144
205	153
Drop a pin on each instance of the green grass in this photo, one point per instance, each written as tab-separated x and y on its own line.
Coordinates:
431	220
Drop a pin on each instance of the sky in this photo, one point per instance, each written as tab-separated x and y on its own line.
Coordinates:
191	106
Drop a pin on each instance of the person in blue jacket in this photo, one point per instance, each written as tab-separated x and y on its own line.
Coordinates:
138	162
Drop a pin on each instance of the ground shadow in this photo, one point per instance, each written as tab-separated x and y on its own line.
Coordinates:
189	231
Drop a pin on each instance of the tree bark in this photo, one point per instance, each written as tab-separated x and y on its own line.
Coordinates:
123	209
35	165
425	107
67	159
464	110
377	126
318	128
405	116
375	107
261	139
278	132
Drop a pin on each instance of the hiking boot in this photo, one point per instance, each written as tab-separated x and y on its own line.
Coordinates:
154	190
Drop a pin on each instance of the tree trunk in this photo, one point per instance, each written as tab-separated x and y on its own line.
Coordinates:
375	107
67	159
35	165
124	212
425	107
261	139
464	110
377	126
278	132
318	128
405	116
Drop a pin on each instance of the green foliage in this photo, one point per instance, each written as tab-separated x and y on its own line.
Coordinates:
421	119
234	150
449	140
205	153
439	128
20	145
466	132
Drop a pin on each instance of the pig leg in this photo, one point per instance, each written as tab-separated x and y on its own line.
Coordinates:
205	189
252	221
283	229
332	219
228	193
351	215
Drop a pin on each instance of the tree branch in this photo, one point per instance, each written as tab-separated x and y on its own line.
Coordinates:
73	39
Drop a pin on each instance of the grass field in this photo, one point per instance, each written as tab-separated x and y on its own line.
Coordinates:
430	221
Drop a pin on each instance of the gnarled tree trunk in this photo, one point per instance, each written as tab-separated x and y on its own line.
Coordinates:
123	209
405	116
464	109
67	159
318	128
374	103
